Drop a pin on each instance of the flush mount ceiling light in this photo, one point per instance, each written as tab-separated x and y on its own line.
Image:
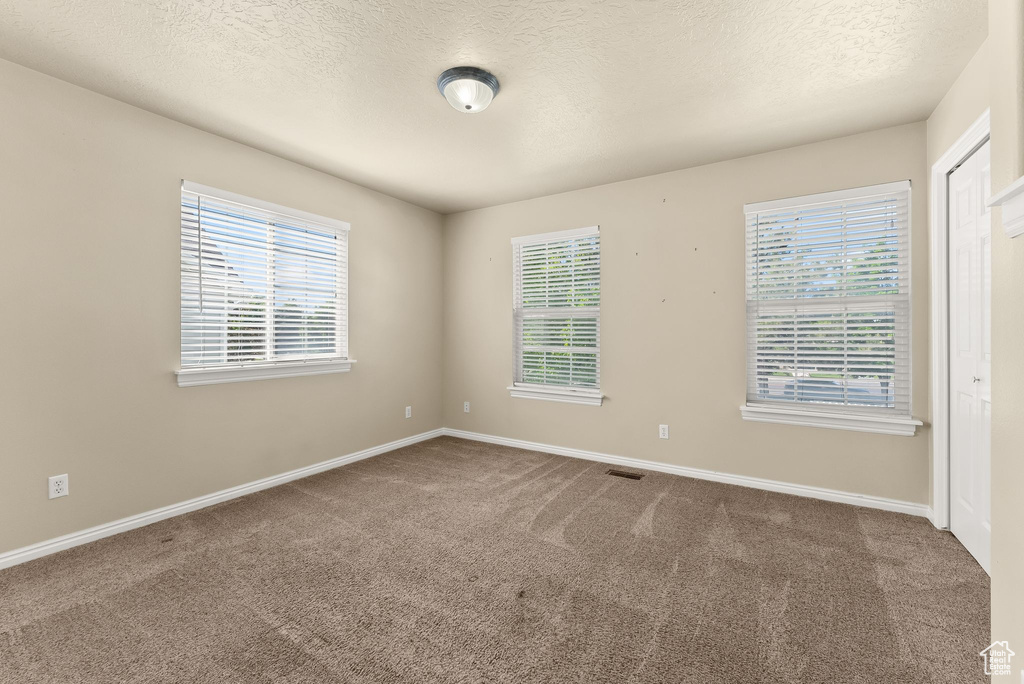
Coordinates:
468	89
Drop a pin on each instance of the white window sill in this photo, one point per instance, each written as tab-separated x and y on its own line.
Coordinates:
837	421
190	377
1011	199
568	396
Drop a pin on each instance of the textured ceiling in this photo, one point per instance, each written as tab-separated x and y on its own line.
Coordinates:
591	92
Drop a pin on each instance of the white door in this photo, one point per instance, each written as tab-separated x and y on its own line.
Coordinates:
970	359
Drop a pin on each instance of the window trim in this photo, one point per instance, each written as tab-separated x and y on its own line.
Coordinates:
827	197
190	376
886	425
565	395
817	415
588	396
556	235
199	189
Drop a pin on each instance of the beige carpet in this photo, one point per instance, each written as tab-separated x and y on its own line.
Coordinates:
456	561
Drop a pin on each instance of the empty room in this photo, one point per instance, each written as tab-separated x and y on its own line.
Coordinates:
555	341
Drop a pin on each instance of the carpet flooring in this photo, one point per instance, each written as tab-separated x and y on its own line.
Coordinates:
460	562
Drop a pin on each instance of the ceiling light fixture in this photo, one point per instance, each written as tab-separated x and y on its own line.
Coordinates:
468	89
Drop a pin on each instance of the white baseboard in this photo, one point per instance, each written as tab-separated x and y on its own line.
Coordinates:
68	541
933	519
894	505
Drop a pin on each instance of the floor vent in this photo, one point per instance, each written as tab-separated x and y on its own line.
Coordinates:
625	474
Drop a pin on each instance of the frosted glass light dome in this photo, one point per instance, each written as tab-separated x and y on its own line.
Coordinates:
468	89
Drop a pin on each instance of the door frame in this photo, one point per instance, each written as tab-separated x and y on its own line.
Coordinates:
938	227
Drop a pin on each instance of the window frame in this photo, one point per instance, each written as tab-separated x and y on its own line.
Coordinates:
882	420
589	396
218	373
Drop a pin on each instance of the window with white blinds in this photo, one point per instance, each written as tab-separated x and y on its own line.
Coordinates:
262	287
828	302
557	315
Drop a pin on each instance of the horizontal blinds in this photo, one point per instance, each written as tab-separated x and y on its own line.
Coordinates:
557	309
259	286
828	301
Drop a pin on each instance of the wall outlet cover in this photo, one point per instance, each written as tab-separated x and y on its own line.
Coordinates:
465	407
58	485
663	431
408	411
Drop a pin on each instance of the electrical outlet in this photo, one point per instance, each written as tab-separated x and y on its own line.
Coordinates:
465	407
58	486
408	411
663	431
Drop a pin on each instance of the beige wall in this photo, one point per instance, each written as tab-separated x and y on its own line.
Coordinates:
672	320
965	101
1006	50
89	271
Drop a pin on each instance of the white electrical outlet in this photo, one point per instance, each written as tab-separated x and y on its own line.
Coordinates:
465	407
58	486
408	411
663	431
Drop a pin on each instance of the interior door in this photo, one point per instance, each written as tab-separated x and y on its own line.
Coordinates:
970	344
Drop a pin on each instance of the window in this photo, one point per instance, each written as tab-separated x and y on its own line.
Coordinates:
263	290
557	316
828	310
